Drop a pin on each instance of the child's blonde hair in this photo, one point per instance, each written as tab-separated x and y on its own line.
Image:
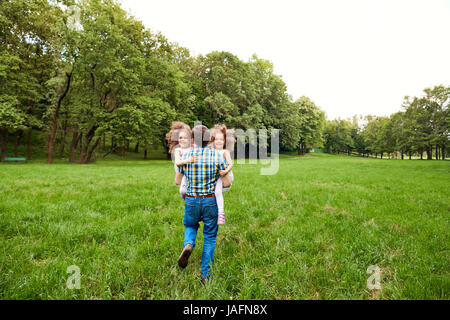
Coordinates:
172	136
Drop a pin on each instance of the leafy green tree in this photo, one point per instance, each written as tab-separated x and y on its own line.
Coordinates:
359	144
338	136
419	122
399	133
438	100
312	120
26	28
11	119
385	140
121	74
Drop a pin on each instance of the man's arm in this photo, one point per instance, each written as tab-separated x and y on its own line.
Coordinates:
178	178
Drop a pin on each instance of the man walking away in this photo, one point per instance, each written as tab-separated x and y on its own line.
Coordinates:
201	178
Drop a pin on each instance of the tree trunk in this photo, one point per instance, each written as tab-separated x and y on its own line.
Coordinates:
87	141
145	153
17	142
84	150
410	155
382	155
3	144
63	140
169	156
81	141
136	148
73	146
110	150
437	151
443	152
91	151
429	153
29	143
402	155
54	123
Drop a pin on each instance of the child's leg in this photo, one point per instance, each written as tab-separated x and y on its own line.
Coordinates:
219	200
183	188
219	196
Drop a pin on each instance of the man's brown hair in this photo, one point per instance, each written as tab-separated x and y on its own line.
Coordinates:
201	134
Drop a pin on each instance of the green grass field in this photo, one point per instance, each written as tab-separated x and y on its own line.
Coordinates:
308	232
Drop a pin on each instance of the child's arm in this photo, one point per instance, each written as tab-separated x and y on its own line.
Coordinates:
180	162
229	164
179	174
178	177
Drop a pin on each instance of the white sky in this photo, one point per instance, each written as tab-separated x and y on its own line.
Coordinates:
349	57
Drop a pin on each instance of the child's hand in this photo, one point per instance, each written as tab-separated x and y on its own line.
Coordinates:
193	159
222	173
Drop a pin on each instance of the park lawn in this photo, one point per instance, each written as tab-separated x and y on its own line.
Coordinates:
309	232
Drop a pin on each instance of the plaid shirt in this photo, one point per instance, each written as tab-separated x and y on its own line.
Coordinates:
201	176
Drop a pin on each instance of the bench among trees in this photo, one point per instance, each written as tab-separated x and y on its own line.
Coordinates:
15	159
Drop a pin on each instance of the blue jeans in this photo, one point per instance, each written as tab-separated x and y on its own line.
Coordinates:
196	210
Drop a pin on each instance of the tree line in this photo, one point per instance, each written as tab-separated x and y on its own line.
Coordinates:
88	76
421	127
107	77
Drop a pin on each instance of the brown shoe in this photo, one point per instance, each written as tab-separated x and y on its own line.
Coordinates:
184	256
